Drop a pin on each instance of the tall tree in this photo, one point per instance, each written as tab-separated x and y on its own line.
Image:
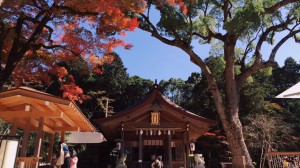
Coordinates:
286	76
245	24
174	89
43	32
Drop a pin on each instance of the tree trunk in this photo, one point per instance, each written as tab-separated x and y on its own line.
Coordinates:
228	109
230	114
237	146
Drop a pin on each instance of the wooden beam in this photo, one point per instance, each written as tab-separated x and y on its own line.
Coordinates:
2	106
39	138
51	106
31	102
65	129
50	122
35	123
64	116
25	114
68	120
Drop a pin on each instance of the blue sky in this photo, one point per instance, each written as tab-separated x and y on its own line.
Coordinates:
152	59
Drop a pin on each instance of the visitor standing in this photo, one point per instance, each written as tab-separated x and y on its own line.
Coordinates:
74	159
157	163
66	154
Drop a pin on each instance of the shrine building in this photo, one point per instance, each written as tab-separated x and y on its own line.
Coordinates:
157	126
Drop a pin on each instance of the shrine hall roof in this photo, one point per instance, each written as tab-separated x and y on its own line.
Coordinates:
138	115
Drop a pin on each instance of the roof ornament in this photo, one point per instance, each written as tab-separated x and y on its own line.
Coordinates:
155	86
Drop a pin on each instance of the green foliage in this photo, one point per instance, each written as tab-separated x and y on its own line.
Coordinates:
135	90
3	127
246	18
172	22
255	95
174	89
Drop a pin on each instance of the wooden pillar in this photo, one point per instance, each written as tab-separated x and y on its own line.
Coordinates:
123	140
169	149
25	137
185	149
62	136
39	138
140	148
14	127
51	146
187	143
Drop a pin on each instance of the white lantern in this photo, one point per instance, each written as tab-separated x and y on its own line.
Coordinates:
192	146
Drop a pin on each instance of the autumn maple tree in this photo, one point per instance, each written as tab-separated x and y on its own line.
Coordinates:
243	29
37	34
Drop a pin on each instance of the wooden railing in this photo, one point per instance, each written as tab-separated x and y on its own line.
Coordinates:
283	159
27	162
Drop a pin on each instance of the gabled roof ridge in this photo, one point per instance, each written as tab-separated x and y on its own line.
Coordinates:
170	102
155	92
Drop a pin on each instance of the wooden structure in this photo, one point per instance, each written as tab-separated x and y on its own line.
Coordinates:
35	111
157	126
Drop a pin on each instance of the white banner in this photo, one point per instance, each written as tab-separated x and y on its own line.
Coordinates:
84	137
8	153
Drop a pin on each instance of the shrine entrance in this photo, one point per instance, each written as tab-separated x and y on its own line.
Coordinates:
154	126
153	147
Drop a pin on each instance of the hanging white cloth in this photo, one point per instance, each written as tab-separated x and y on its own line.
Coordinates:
61	158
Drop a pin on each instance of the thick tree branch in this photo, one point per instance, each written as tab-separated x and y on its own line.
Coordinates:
251	70
212	83
264	36
226	10
280	43
152	29
210	35
278	5
270	63
247	50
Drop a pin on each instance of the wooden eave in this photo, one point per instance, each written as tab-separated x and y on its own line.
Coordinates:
139	114
59	114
